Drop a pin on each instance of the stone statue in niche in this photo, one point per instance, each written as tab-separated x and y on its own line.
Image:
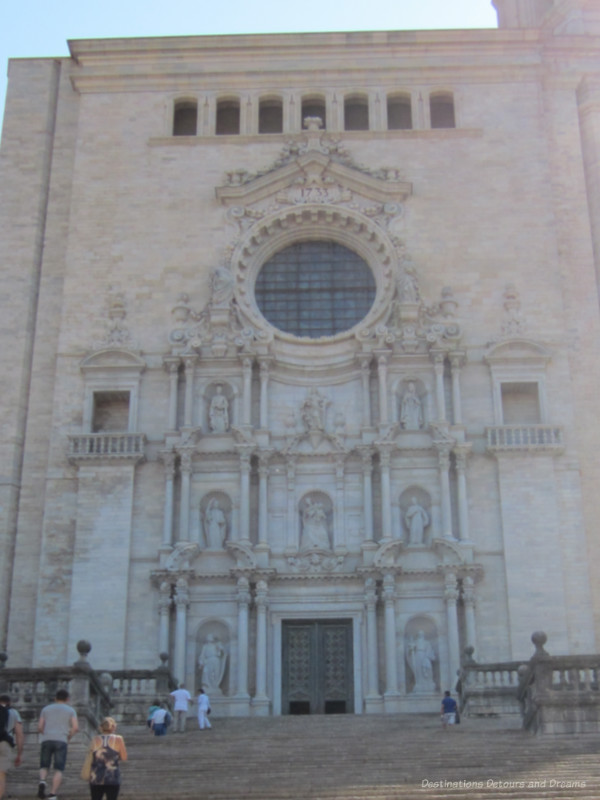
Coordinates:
408	285
315	530
212	661
215	525
417	519
218	413
421	655
313	411
411	409
221	286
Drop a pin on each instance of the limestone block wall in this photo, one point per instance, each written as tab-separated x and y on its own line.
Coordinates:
122	206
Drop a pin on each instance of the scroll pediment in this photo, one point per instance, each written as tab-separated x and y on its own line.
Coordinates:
313	178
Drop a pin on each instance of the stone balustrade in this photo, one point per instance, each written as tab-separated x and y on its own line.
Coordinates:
122	694
524	437
489	689
560	694
88	446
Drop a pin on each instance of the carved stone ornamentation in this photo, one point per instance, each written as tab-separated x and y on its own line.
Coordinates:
316	563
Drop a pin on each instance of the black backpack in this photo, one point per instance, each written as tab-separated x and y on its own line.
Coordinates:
4	734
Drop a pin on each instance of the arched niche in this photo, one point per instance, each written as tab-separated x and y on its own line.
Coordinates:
220	407
215	520
316	521
421	654
213	642
415	513
411	404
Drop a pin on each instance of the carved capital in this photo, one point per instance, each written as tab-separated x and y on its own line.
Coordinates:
366	455
389	587
169	459
171	364
462	452
243	591
469	591
186	455
261	598
450	588
370	594
182	597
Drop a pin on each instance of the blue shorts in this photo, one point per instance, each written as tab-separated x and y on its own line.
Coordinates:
53	750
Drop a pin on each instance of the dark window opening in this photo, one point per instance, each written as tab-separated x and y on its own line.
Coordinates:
314	107
111	412
441	109
270	116
520	404
228	118
335	706
185	119
356	114
299	707
399	113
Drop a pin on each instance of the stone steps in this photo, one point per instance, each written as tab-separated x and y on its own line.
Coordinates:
341	758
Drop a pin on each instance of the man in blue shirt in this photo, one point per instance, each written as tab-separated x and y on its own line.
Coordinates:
449	709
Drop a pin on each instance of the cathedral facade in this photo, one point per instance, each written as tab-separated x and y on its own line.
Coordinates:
300	357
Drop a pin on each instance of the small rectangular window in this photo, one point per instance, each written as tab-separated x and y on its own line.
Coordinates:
520	404
228	118
356	114
270	116
185	119
399	113
441	110
110	412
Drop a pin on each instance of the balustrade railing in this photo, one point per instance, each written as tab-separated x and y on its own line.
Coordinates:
524	437
490	689
106	445
122	694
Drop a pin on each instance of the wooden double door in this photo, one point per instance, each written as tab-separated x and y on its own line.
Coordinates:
317	667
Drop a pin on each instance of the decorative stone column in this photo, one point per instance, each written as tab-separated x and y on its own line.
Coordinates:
366	455
444	465
261	600
188	414
386	493
243	601
182	601
372	651
461	453
292	518
263	499
383	389
264	364
186	455
456	360
391	665
450	598
469	604
365	376
245	452
164	616
247	391
168	457
339	545
172	366
438	365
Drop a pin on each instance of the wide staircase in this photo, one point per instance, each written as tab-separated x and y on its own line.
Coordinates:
341	757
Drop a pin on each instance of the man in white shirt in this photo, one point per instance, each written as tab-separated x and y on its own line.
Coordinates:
182	700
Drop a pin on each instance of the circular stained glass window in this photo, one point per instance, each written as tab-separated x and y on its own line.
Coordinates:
315	289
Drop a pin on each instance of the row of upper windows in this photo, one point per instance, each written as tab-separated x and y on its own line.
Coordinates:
356	117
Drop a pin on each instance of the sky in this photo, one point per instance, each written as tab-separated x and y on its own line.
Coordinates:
38	28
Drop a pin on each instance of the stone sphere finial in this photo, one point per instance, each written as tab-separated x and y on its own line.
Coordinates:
539	639
164	657
83	648
469	650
